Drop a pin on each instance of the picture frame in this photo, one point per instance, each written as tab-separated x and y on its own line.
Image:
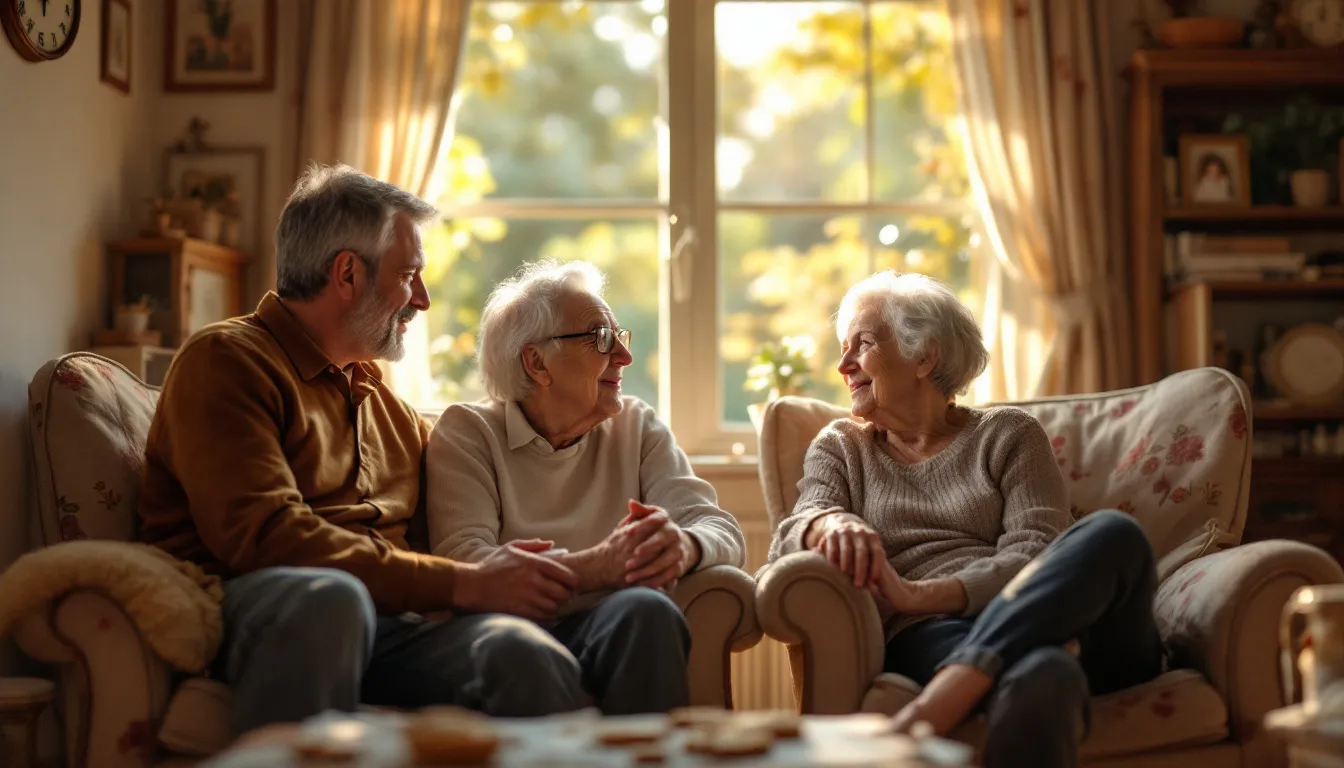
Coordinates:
209	174
1215	170
114	66
209	50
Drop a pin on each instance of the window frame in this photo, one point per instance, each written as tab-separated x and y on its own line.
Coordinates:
690	381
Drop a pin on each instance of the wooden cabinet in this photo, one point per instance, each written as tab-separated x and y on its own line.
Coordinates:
191	283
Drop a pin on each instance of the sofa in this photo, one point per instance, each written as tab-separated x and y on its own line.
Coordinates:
1176	455
130	632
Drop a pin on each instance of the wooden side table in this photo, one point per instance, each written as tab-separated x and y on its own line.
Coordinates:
22	702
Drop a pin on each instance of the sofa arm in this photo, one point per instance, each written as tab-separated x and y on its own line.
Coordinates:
114	688
720	607
1220	615
832	629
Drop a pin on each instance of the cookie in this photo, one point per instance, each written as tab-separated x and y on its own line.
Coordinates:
333	742
631	733
782	723
684	717
450	736
730	741
651	753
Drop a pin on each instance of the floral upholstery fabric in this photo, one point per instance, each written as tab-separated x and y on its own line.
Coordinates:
89	417
1174	455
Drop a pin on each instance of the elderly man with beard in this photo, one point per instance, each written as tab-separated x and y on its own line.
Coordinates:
280	461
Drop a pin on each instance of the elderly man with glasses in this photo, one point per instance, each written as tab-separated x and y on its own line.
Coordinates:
557	456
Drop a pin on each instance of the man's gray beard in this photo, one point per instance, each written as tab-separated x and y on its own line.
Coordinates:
374	324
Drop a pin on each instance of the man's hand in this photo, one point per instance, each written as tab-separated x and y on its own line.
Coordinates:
515	579
852	546
663	552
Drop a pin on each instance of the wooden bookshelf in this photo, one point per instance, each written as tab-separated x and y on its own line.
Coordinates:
1257	214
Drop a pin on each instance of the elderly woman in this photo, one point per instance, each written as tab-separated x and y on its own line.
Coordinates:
558	455
957	520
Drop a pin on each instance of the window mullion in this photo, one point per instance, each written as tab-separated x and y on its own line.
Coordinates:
870	132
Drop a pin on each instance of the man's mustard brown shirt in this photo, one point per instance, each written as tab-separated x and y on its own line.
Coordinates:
262	453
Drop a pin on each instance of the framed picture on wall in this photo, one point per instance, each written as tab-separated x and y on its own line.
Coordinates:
1215	170
227	180
219	45
115	61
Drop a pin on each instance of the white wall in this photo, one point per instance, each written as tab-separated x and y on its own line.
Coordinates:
72	152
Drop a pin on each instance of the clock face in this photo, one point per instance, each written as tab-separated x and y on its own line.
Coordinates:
1320	21
41	29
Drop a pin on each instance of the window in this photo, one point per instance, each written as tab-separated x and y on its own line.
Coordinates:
732	165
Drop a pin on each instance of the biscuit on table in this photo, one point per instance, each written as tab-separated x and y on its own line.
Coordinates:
683	717
450	736
336	741
781	722
730	741
631	733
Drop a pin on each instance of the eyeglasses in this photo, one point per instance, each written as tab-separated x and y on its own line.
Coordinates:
604	337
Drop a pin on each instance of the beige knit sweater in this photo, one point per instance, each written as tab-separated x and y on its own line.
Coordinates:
977	511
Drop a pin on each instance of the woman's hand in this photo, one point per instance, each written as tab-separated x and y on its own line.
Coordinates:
853	547
894	594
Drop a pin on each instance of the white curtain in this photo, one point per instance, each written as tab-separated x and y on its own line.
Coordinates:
1043	143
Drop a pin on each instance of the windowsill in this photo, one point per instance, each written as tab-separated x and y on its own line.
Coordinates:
710	465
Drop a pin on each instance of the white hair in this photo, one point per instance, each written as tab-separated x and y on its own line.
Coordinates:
918	309
335	208
524	310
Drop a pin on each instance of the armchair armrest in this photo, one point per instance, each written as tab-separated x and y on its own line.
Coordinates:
720	607
1220	615
832	629
114	687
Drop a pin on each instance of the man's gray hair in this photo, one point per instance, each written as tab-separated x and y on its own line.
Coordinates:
522	310
335	208
919	310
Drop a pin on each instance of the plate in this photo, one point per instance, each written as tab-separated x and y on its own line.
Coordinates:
1307	365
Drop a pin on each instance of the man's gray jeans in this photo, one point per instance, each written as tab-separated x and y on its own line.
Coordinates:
299	641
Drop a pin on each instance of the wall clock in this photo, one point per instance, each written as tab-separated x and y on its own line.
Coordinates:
41	30
1318	22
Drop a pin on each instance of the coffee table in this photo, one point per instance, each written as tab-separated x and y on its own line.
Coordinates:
859	740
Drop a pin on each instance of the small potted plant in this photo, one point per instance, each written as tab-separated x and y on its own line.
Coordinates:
1298	143
782	368
1185	29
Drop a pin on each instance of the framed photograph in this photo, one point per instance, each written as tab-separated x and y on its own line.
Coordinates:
115	63
219	45
1215	170
228	179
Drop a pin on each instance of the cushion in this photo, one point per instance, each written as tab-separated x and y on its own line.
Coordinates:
197	720
1175	709
89	417
1174	454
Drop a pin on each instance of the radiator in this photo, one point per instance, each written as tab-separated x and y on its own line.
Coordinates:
760	675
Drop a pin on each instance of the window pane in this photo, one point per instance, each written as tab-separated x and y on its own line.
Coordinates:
561	100
914	104
939	246
790	101
782	275
468	257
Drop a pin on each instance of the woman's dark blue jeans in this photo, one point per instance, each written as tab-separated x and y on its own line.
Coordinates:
1094	584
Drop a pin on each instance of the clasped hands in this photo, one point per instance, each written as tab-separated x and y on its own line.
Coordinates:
526	578
853	547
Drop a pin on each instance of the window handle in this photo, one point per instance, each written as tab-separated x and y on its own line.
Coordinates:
680	265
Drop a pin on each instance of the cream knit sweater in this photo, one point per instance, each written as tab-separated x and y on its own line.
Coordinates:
978	511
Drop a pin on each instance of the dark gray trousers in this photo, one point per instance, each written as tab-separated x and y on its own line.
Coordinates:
300	641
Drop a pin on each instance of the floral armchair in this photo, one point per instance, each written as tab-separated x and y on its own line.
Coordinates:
1176	455
132	632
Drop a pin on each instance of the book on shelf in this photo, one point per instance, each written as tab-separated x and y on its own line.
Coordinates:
1193	258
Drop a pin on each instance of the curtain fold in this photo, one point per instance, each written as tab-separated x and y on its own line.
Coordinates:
1042	139
378	81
